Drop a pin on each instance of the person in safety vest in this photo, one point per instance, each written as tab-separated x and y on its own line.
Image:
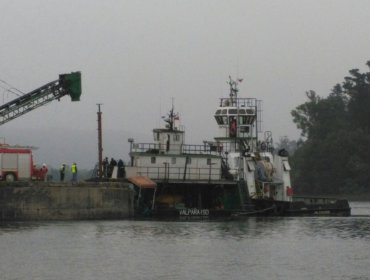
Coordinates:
74	172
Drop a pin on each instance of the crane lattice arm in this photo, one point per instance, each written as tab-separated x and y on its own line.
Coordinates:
67	84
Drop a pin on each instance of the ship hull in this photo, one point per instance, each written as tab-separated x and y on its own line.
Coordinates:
217	200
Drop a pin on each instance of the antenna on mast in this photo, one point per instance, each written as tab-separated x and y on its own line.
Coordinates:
171	117
234	89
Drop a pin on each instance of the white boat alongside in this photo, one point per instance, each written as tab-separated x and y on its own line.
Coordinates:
237	173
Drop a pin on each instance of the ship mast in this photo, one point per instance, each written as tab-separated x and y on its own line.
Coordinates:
171	117
100	142
234	90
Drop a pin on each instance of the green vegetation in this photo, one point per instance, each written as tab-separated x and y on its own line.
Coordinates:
334	157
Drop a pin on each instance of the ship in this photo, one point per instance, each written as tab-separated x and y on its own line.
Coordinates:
239	173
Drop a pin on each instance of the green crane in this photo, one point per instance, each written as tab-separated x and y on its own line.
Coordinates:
67	84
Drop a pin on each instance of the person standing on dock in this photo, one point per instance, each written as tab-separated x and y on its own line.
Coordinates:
105	167
112	164
44	173
74	172
121	169
62	172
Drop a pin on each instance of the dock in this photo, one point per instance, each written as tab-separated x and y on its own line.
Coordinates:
64	201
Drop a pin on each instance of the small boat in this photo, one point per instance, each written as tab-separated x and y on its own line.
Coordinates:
238	173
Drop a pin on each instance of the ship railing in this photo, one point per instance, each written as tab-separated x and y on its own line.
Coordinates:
238	102
153	148
156	148
180	173
201	149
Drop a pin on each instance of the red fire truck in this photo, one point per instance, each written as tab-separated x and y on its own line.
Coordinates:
16	163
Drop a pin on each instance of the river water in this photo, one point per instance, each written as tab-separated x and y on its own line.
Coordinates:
252	248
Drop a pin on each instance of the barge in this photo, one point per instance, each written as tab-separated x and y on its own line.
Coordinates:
238	173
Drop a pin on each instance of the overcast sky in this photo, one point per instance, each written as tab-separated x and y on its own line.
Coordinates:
135	56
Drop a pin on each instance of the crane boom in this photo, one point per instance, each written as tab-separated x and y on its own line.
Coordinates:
67	84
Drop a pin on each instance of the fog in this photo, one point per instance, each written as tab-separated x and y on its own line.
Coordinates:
137	57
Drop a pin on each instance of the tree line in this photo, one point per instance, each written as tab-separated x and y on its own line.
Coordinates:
333	155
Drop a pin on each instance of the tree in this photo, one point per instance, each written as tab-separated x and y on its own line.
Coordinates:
357	87
304	115
318	116
335	154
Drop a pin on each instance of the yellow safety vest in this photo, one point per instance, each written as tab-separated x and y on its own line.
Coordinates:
74	168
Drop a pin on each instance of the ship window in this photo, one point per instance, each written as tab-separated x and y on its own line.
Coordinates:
244	129
209	161
250	119
242	111
153	159
250	111
251	166
219	120
242	120
218	112
176	137
188	160
224	111
286	165
173	160
233	111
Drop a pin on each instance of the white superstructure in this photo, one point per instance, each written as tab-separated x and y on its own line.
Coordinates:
169	158
253	160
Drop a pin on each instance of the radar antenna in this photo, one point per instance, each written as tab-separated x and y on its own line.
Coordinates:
234	89
170	119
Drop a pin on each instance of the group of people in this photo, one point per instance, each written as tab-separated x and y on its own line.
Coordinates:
43	172
74	170
108	168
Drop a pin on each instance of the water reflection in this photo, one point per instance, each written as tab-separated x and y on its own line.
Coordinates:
257	247
9	227
251	228
345	228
